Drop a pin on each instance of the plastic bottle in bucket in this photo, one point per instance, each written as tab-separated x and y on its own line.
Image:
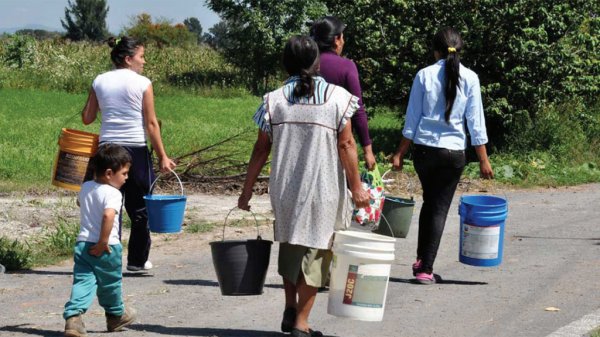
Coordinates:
71	167
482	219
165	212
360	275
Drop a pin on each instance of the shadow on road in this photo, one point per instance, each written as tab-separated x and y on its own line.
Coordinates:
209	283
439	280
41	272
179	331
137	274
24	329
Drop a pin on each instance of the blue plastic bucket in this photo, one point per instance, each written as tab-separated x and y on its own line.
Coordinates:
165	212
482	219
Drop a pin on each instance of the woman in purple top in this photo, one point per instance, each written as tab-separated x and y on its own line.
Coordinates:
328	32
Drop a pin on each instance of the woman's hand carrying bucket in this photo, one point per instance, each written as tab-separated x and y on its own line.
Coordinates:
165	212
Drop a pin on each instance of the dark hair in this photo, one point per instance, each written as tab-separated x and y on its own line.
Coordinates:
110	156
301	58
122	47
444	40
325	30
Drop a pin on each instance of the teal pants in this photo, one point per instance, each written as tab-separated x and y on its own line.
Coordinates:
101	276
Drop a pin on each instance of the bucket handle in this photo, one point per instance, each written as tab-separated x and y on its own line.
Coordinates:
388	224
159	175
494	190
410	185
258	237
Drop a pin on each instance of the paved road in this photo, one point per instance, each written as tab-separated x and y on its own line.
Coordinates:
551	259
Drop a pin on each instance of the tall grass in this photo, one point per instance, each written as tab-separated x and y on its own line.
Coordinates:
71	67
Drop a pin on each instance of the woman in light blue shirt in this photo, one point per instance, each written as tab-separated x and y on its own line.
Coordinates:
445	99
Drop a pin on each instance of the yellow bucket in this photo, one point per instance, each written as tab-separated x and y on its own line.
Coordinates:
71	167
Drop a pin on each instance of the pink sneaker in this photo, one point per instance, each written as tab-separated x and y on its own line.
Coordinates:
424	278
416	266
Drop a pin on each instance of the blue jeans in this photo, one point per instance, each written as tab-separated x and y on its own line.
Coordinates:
101	276
439	171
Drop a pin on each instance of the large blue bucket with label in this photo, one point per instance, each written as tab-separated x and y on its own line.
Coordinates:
482	219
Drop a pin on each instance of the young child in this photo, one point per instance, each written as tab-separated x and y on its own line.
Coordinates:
97	269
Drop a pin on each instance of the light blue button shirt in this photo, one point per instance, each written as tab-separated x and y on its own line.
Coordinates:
425	122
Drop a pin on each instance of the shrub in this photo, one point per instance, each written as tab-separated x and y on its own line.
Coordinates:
14	255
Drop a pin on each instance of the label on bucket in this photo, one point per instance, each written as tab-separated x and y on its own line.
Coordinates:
480	242
72	168
365	286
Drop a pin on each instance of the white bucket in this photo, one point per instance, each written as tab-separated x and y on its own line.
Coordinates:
360	275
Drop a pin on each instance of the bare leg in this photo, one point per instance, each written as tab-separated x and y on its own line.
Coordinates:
290	294
306	299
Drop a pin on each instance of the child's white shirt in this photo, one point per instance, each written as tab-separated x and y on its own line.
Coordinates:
93	199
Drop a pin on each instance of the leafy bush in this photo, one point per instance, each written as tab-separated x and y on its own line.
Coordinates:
14	255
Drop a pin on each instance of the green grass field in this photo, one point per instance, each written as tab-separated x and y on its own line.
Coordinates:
32	119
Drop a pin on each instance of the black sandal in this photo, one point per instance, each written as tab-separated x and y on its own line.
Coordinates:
310	333
289	319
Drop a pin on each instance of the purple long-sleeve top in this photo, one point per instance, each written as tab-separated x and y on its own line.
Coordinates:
342	71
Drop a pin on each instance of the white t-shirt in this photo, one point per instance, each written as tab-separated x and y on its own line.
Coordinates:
120	93
93	199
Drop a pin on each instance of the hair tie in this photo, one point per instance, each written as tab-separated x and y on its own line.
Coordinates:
451	50
119	40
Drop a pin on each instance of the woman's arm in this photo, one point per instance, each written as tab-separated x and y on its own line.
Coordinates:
485	168
398	157
349	159
360	119
91	108
153	131
260	154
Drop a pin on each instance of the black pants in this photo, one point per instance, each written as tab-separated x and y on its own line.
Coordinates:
141	176
439	171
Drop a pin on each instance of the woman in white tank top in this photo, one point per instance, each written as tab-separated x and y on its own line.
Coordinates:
126	100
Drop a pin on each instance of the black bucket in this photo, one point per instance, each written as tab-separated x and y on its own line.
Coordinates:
241	265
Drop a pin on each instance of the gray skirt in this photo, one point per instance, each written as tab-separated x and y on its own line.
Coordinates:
314	264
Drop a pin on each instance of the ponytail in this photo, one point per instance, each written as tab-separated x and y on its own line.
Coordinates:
448	43
305	86
122	47
452	71
301	58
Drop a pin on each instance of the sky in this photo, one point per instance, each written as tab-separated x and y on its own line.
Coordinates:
46	14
